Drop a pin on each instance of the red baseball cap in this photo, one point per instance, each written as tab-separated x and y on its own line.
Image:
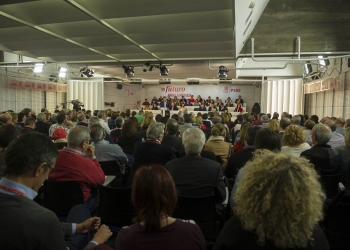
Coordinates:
59	133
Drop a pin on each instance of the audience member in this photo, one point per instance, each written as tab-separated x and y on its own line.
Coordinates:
314	118
154	198
61	121
194	175
102	116
293	142
34	226
187	123
296	120
239	143
7	134
216	143
116	133
275	116
144	126
152	151
340	122
308	125
78	163
237	160
336	139
172	138
284	207
41	125
128	136
29	125
284	123
105	151
59	136
327	161
264	139
265	121
345	149
82	121
324	119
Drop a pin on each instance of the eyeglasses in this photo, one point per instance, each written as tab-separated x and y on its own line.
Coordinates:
52	170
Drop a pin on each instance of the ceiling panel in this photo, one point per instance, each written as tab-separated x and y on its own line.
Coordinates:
102	41
89	28
51	44
45	12
22	33
63	52
134	57
81	58
106	9
194	36
188	47
174	22
132	49
8	23
198	54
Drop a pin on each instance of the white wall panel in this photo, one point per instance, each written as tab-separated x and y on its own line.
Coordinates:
90	92
282	95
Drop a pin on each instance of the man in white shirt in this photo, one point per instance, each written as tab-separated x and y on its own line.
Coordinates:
102	116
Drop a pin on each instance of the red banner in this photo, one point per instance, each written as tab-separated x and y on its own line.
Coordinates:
29	85
61	88
41	86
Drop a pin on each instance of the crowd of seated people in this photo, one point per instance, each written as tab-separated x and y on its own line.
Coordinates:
199	151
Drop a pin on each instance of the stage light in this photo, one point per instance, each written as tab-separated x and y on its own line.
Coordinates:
151	68
307	68
145	67
222	73
163	71
323	61
62	72
87	72
38	68
129	71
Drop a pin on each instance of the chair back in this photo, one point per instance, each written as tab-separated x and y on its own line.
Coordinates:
200	209
115	206
61	196
330	184
110	168
61	145
338	221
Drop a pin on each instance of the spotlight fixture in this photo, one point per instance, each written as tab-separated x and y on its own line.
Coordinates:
38	68
129	71
222	73
151	68
307	68
163	71
323	61
87	72
62	72
145	67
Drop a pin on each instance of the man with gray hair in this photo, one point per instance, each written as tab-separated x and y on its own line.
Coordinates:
285	114
327	161
216	119
152	151
82	119
336	138
187	123
41	125
95	120
77	162
296	120
194	175
105	151
117	132
265	120
101	114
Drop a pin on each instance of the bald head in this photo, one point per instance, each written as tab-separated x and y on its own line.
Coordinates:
331	124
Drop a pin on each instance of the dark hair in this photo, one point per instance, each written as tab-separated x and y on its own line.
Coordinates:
268	115
88	111
60	118
8	133
56	111
211	114
251	133
285	122
153	195
172	126
20	116
167	113
267	139
129	129
26	111
306	117
29	151
205	116
240	118
158	116
95	112
175	116
187	118
29	121
133	113
314	118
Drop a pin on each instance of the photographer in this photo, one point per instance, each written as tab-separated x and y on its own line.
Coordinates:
77	105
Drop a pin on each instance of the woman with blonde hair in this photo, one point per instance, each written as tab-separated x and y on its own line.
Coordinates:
199	122
144	126
216	143
279	204
274	126
293	142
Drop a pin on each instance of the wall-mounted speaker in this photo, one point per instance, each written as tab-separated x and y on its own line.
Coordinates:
119	86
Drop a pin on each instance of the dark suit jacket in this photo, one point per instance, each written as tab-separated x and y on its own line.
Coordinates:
162	104
237	160
173	108
148	152
202	109
197	176
174	142
240	101
42	127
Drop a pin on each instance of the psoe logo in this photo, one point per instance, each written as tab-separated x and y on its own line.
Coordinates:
173	89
